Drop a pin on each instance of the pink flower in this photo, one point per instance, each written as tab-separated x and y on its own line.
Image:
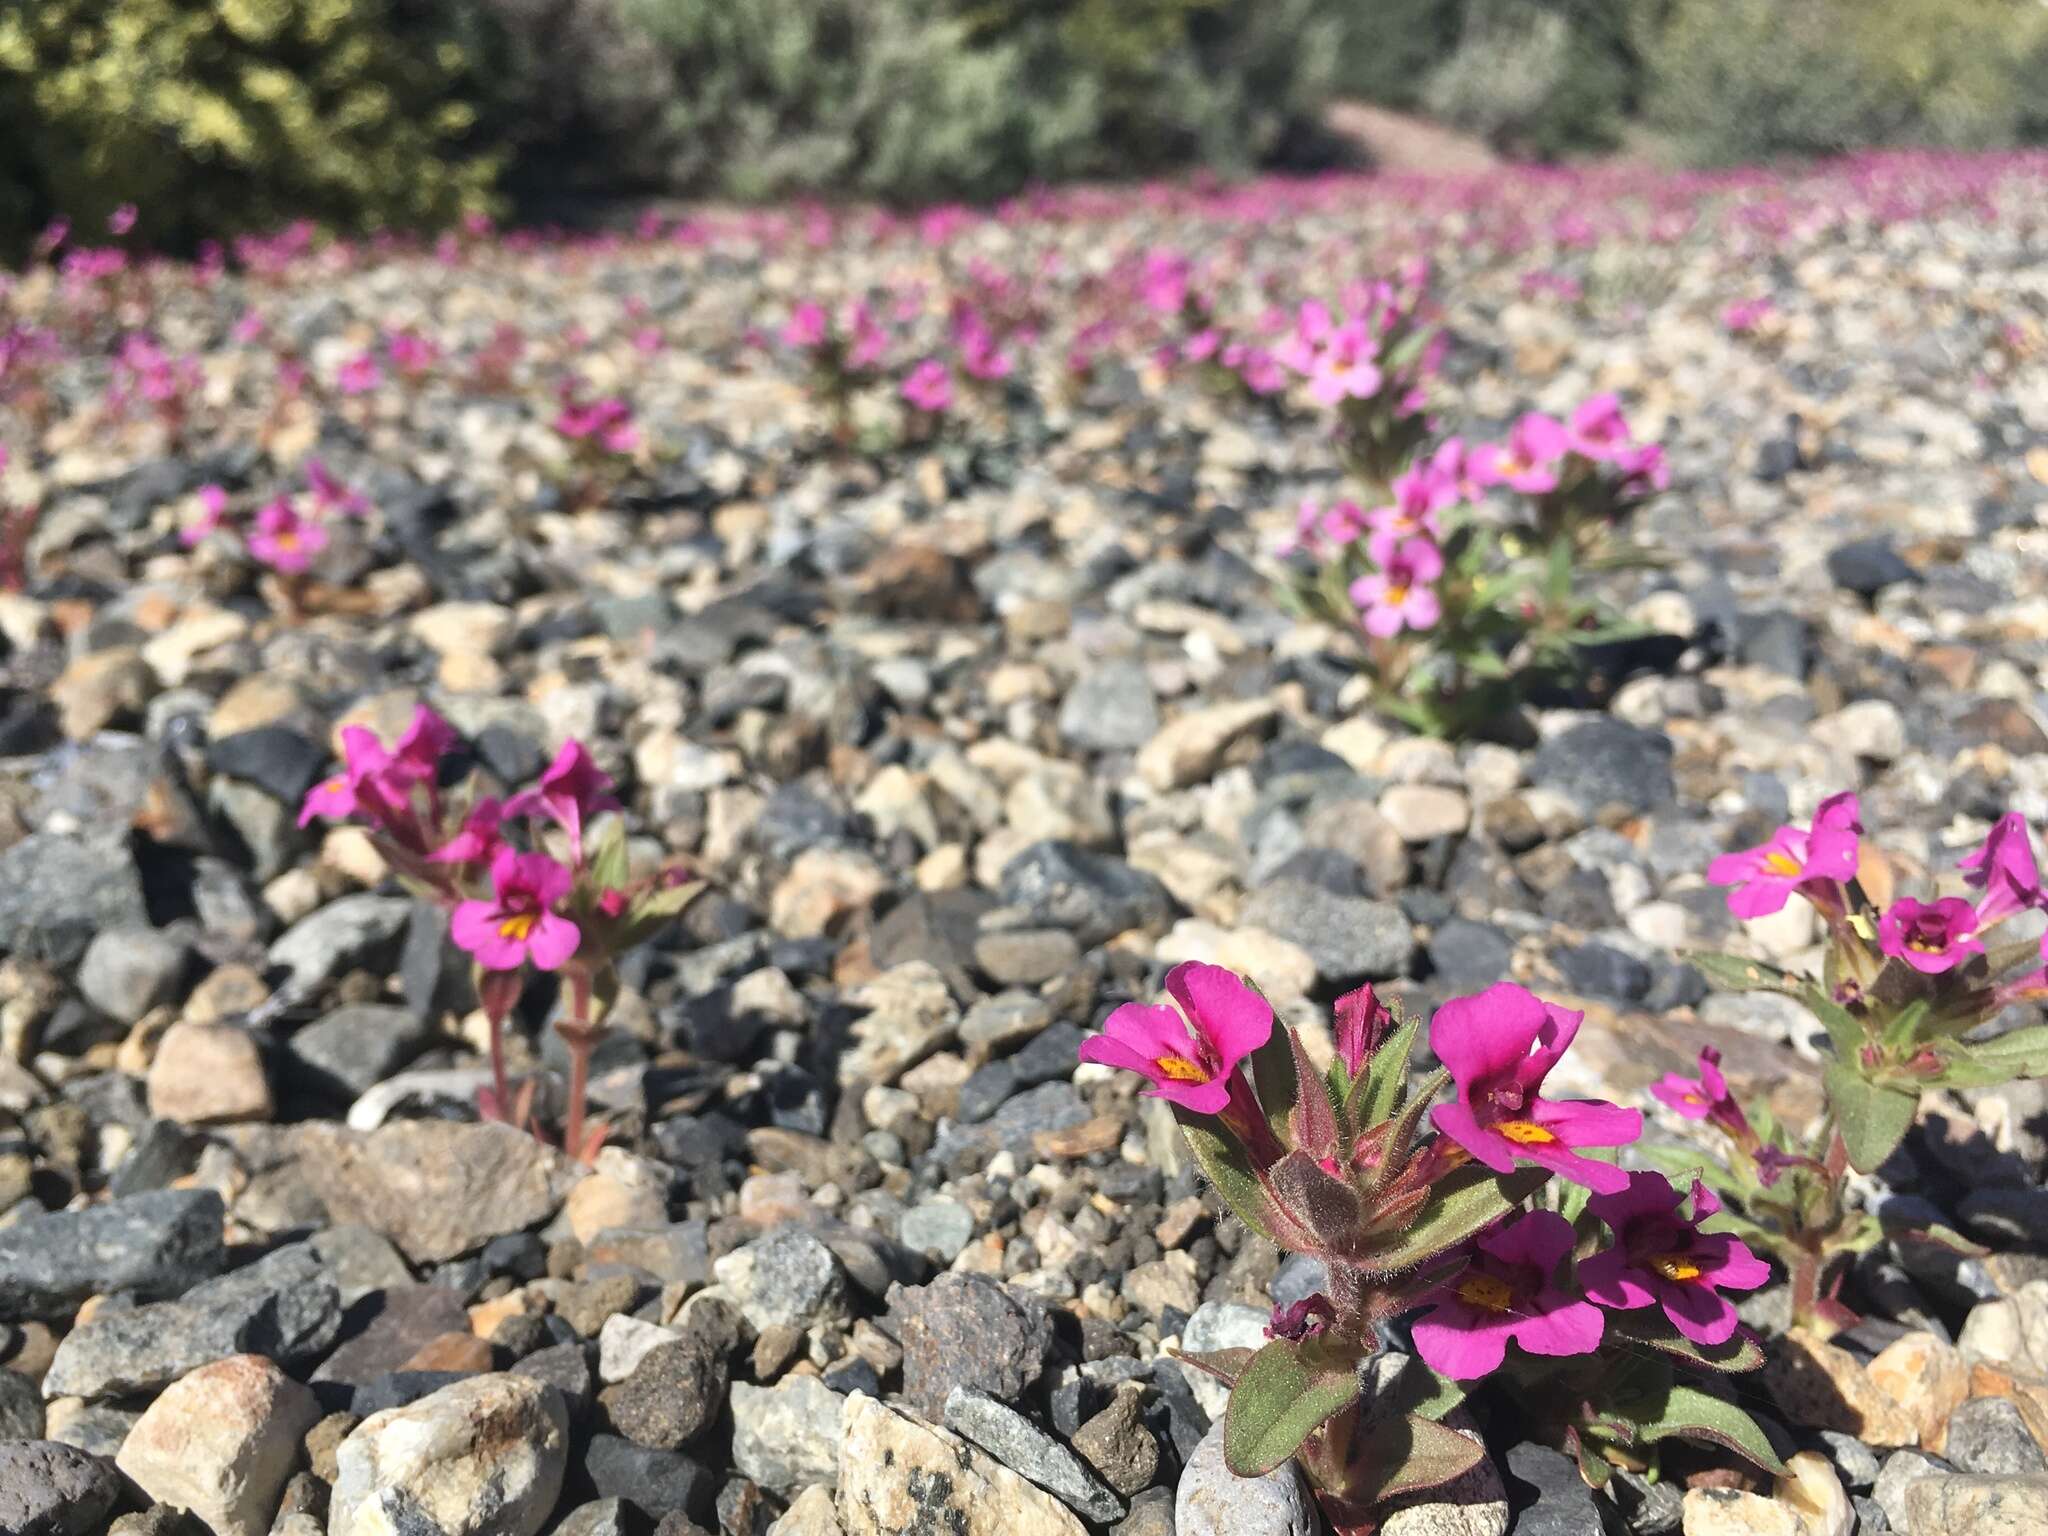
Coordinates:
519	922
283	540
477	841
571	789
122	219
1930	936
1344	523
1765	876
1745	314
807	326
1419	494
1197	1071
1499	1046
213	507
1662	1258
1508	1291
1362	1023
416	758
2004	869
1598	430
1164	283
1452	466
358	788
1344	369
929	386
1705	1097
1643	469
359	375
870	341
330	495
607	422
1529	461
1303	1319
411	353
1398	595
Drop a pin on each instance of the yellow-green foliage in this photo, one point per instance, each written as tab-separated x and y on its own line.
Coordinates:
215	116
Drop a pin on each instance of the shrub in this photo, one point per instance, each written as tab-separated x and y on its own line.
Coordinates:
1391	47
1542	78
222	115
1748	79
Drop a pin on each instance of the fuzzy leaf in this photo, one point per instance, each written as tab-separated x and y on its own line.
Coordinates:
2021	1053
1648	1325
1421	1391
1406	1123
1694	1414
1273	1080
1844	1029
1286	1392
608	867
1733	973
1460	1205
1315	1117
1226	1365
1682	1163
1330	1210
1872	1117
1406	1453
1227	1167
1378	1088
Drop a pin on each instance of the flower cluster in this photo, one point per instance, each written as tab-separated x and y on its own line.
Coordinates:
1451	1229
523	879
1905	991
288	532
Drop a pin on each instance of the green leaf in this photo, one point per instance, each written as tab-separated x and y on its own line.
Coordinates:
1732	973
1649	1326
1461	1204
2021	1053
1273	1079
1402	1128
1844	1028
1227	1167
1226	1365
1379	1090
1405	1454
1421	1391
1694	1414
608	859
1315	1117
1872	1117
1286	1393
1329	1210
1681	1162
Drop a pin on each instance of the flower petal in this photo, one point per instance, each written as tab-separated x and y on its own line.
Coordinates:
1232	1017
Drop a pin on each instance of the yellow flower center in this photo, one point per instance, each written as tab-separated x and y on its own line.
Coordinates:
1181	1070
518	926
1674	1266
1524	1133
1781	863
1398	593
1485	1291
1926	944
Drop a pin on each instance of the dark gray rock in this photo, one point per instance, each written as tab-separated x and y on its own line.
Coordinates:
21	1407
278	760
284	1306
1094	895
659	1482
1547	1495
1867	566
1988	1435
56	893
162	1152
47	1489
1600	970
348	1052
1350	938
940	929
1606	762
127	971
967	1331
1030	1452
157	1245
358	930
395	1325
1464	953
566	1368
673	1394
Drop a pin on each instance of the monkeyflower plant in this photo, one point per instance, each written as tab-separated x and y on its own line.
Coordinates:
531	884
1462	584
1485	1210
1909	991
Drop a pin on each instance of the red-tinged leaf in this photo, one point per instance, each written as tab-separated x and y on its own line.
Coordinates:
1695	1415
1461	1205
1328	1209
1406	1453
1226	1365
1284	1395
1227	1166
1315	1118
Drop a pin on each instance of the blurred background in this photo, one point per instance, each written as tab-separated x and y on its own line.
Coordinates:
215	117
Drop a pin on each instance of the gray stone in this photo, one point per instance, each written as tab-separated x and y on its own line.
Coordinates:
348	1052
788	1277
1119	1444
786	1436
284	1307
1548	1496
1606	762
56	893
1856	1462
1110	709
1151	1515
1348	937
1988	1435
660	1482
605	1517
98	1429
1218	1325
673	1394
1029	1451
47	1489
939	1228
1093	895
356	931
1902	1469
1212	1500
129	970
21	1407
967	1331
156	1244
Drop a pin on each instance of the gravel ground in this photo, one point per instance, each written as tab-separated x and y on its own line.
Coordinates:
973	729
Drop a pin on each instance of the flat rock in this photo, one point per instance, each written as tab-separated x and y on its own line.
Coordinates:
900	1474
156	1244
1023	1447
1212	1500
966	1330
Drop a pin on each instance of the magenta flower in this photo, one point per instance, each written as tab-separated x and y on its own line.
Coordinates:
411	353
1660	1257
477	841
1643	469
1766	875
1197	1071
1508	1291
359	375
1529	460
358	788
1398	595
1930	936
870	341
1705	1097
213	507
1362	1023
519	922
122	219
572	789
416	757
607	422
929	386
1419	494
330	495
1345	369
1344	523
283	540
807	326
2004	870
1598	430
1499	1046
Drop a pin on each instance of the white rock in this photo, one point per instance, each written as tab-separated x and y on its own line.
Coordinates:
1422	813
1212	1500
624	1341
810	1513
1869	728
787	1436
1189	749
222	1442
482	1457
897	1473
1218	1325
